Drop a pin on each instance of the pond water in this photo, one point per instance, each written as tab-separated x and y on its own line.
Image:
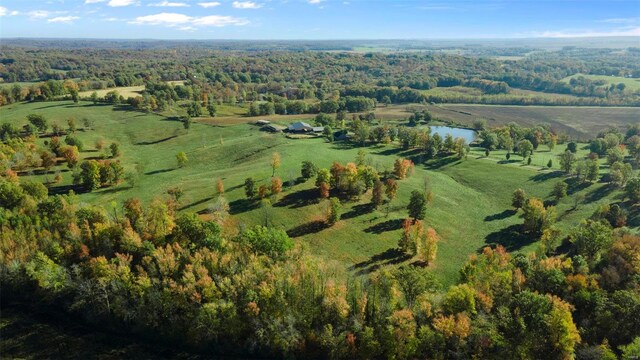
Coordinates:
466	134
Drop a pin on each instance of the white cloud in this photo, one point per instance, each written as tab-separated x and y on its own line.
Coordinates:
209	4
170	4
119	3
246	5
93	1
629	31
219	21
185	22
63	19
631	20
315	1
4	11
168	19
38	14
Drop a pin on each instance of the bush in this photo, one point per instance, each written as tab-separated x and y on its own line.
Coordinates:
308	170
73	141
267	241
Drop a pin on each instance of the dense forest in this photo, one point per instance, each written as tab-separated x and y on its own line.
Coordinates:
275	76
165	275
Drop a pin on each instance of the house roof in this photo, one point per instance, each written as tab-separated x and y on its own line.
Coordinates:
300	125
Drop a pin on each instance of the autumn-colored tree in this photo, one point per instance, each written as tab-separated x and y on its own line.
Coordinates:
48	160
336	172
391	189
275	163
71	155
176	193
100	144
563	333
263	191
537	218
71	122
159	220
377	195
134	213
324	190
406	243
428	246
402	168
219	187
276	186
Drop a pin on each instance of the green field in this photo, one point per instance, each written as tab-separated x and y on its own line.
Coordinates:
631	83
472	197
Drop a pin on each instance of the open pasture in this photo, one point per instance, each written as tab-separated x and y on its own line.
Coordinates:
470	209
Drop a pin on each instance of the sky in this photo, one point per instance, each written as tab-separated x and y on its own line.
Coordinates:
318	19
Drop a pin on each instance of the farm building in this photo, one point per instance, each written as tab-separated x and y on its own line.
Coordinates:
303	127
263	122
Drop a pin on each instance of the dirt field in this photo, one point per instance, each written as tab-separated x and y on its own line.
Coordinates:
580	122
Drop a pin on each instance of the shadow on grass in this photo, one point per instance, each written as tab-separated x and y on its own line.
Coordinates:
574	185
510	237
633	215
299	199
50	106
242	205
156	141
599	193
387	257
510	161
546	176
500	216
64	189
358	210
385	226
308	228
441	162
390	151
113	189
199	202
159	171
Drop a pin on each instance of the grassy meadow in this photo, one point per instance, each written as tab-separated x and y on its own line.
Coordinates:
470	209
632	84
125	91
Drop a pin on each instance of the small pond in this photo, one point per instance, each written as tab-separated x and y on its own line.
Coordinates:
466	134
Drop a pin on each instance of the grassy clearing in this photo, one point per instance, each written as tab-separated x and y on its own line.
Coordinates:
632	84
125	91
19	83
471	206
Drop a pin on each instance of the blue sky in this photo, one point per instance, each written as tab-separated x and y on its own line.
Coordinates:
317	19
